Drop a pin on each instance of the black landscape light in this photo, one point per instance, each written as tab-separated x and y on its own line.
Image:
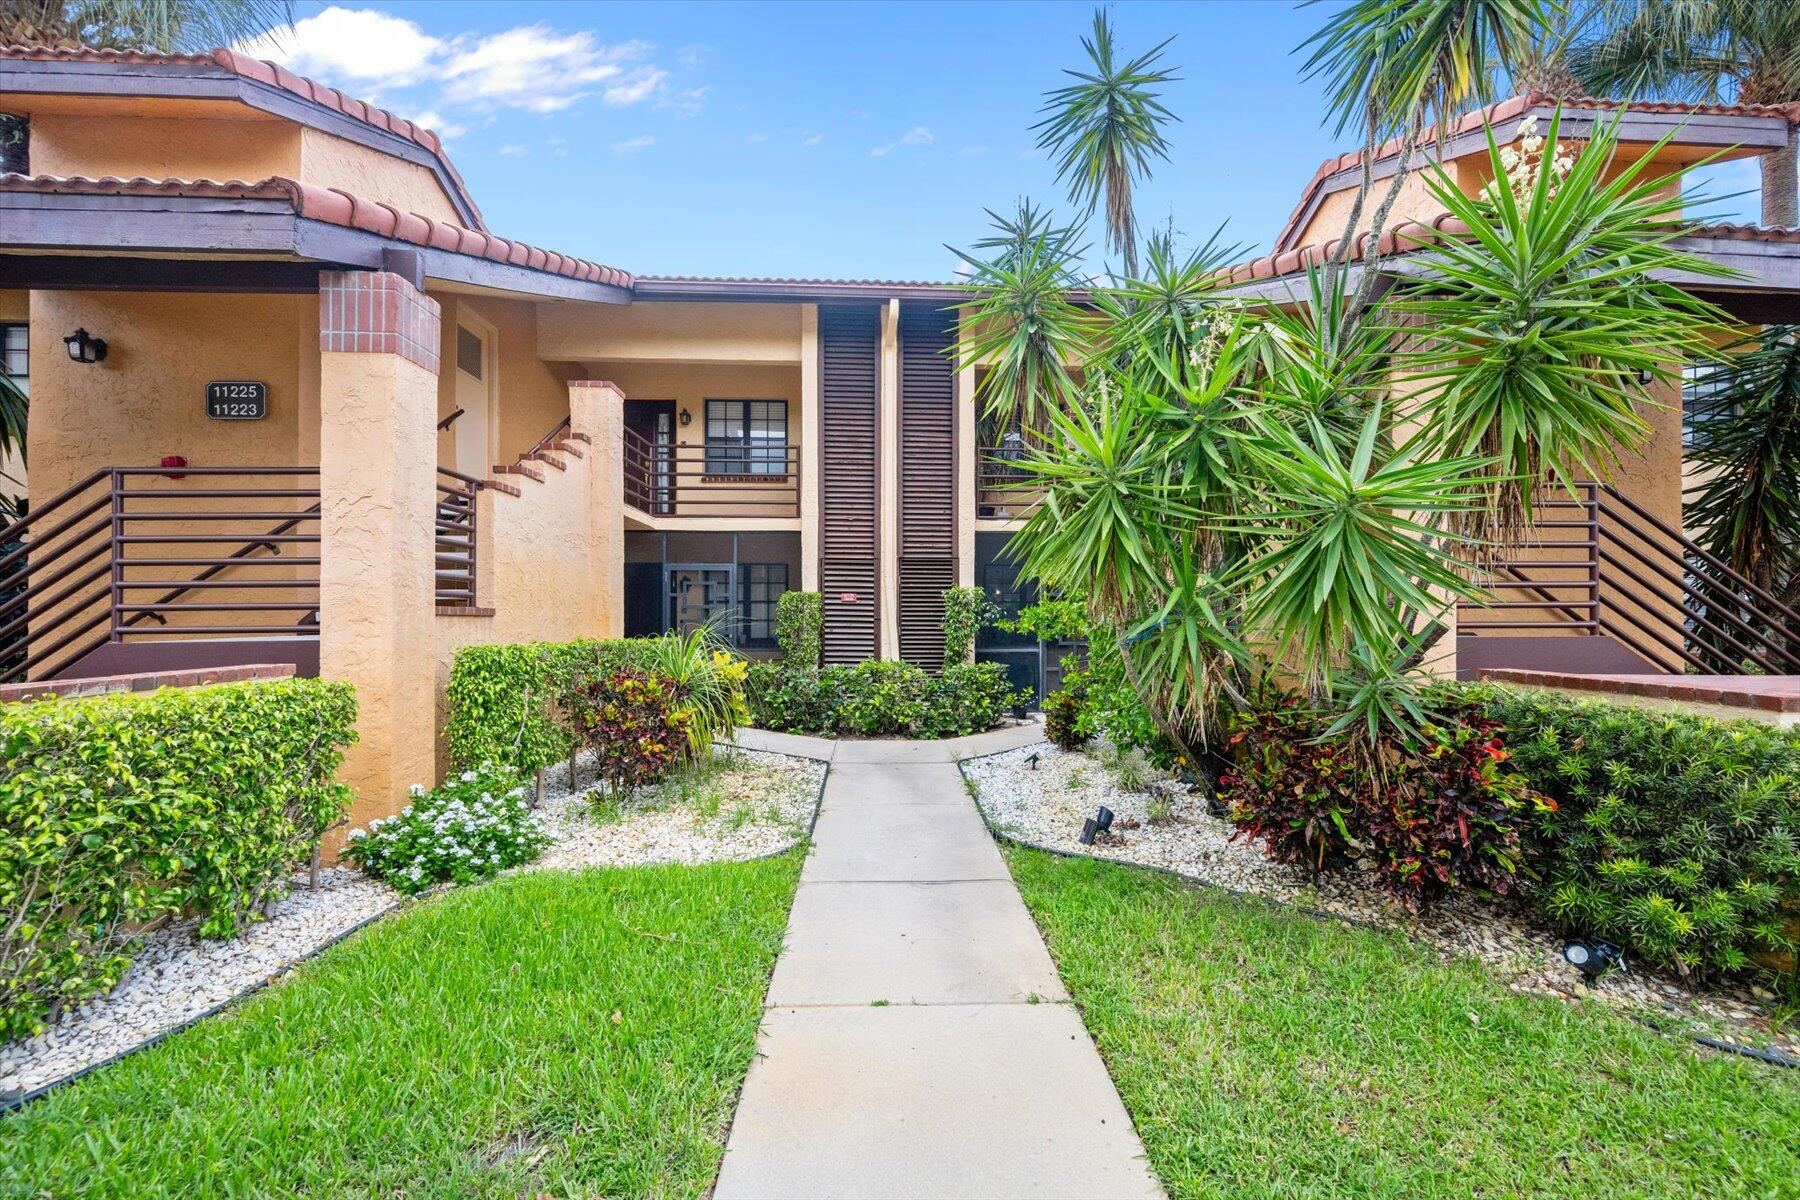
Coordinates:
1099	823
1031	760
1592	959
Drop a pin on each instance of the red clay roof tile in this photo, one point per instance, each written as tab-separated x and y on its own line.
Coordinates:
1507	109
274	75
333	206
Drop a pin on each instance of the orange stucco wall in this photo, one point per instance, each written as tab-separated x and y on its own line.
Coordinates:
534	394
245	147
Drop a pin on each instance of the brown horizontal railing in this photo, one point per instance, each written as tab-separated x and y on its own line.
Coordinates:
1613	568
1003	489
696	481
454	549
73	574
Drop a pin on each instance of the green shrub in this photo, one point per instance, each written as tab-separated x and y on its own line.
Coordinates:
1431	818
878	699
1676	836
707	680
503	699
966	610
472	827
635	724
1063	710
800	627
119	810
1110	707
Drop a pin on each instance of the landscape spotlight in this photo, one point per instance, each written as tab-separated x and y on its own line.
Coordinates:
1592	959
1031	760
1099	823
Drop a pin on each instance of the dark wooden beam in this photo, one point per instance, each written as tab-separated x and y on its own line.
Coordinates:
110	273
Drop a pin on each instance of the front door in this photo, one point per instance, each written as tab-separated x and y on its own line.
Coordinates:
696	595
474	364
654	422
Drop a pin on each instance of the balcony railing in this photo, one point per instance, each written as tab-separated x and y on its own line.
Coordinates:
1003	489
694	480
132	553
454	563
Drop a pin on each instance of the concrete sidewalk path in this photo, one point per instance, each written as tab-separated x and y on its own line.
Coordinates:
917	1041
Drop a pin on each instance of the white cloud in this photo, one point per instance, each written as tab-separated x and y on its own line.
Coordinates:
540	70
439	124
355	45
688	102
918	135
632	145
812	139
513	151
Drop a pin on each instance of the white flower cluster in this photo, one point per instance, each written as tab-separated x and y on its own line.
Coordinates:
1524	161
470	828
1209	329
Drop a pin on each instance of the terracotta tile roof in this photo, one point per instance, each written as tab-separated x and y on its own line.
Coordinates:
335	207
776	279
1416	235
274	75
1506	110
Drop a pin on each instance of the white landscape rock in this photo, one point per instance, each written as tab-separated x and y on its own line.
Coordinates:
766	804
1046	806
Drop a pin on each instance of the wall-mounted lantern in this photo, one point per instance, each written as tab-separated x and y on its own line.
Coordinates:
687	418
85	349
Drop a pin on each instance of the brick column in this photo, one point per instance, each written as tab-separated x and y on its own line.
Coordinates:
378	355
597	410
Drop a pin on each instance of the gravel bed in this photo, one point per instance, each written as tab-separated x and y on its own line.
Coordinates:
765	804
1046	807
761	803
177	977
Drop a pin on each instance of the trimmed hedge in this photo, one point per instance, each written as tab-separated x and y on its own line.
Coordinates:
501	698
878	699
800	627
1677	836
118	810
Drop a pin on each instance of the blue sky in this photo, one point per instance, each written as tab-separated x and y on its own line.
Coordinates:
818	139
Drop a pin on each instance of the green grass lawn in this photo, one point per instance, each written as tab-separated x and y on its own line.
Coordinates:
1267	1053
571	1034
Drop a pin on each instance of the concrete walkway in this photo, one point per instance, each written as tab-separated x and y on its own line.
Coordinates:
918	1042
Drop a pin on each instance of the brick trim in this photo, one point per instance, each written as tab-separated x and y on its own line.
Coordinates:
378	312
148	681
1765	693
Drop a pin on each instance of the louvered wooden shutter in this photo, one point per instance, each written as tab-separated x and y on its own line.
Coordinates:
850	354
927	480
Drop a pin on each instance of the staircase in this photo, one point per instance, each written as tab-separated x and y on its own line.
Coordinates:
1603	586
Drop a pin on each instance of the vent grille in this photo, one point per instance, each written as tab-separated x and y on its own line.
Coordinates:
923	582
850	364
927	433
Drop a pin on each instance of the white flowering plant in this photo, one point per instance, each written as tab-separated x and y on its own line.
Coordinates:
470	828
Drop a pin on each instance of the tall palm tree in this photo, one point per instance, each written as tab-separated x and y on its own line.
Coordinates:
1744	51
1105	129
169	26
1396	67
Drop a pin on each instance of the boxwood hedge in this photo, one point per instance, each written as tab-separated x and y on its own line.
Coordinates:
119	810
502	698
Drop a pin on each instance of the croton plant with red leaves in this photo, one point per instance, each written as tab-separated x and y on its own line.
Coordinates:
633	722
1434	815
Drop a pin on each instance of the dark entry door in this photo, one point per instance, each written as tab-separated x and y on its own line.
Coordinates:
1022	654
654	421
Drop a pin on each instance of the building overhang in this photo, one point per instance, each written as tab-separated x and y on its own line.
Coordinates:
186	242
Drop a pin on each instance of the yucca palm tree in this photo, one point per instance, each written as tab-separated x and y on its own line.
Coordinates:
1745	508
1104	131
1742	51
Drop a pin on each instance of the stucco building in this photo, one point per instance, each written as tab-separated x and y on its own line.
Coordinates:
295	402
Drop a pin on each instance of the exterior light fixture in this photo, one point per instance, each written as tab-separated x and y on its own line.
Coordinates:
1592	959
1031	760
1099	823
687	418
85	349
1021	710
